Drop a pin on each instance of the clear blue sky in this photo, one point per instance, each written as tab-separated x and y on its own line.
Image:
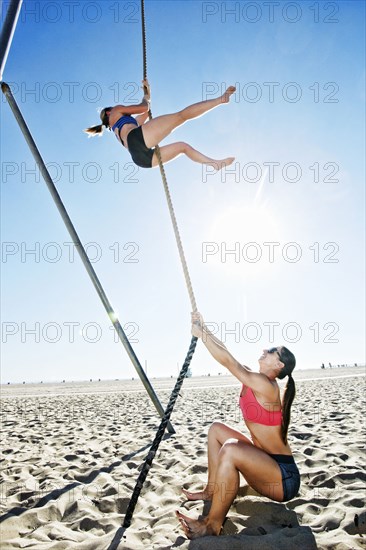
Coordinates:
296	128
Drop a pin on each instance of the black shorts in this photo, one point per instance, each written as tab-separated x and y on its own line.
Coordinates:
141	155
290	475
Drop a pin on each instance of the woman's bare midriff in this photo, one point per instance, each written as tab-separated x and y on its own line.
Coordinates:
268	438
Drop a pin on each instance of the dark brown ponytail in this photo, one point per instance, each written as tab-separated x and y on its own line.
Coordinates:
289	361
98	130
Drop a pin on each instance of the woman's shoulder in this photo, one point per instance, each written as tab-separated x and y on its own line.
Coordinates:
267	392
116	113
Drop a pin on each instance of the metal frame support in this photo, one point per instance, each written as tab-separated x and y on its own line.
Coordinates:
7	32
79	247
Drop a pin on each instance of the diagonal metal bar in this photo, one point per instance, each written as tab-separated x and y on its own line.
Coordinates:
7	32
79	247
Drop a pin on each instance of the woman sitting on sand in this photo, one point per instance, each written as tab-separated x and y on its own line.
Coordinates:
140	137
266	461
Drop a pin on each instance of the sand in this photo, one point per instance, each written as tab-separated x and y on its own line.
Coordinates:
71	455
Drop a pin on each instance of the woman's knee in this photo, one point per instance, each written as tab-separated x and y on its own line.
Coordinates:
230	445
229	451
221	432
183	147
215	428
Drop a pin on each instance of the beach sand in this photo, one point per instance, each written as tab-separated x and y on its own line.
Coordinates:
71	455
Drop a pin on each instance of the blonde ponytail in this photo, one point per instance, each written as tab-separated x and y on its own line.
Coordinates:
98	130
94	130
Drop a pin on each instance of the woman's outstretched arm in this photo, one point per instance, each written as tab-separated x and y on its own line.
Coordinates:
258	382
141	119
139	109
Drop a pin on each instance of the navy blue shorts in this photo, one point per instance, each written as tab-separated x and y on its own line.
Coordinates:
141	155
290	475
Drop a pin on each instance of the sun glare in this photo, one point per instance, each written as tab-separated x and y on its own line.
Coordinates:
244	240
246	224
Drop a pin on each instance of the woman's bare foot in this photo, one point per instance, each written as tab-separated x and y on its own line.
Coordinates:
195	528
225	98
220	164
200	495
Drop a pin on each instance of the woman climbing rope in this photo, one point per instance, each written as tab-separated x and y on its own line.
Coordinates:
140	137
266	460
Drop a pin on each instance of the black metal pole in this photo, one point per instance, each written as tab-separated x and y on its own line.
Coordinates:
7	32
79	247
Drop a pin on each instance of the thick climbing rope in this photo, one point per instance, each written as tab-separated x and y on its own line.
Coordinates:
165	182
159	436
183	373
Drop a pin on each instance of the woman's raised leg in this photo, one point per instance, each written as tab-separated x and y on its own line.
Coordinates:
171	151
160	127
217	435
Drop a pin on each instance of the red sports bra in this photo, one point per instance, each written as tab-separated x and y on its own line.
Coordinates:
254	412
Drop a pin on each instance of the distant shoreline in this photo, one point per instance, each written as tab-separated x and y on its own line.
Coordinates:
135	385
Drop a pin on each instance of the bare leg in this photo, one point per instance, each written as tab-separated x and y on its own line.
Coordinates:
160	127
170	152
217	435
259	469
